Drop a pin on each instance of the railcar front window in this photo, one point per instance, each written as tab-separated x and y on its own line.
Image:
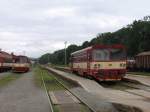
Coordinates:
21	60
101	55
117	54
109	54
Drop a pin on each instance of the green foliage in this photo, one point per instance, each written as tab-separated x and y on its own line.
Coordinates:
136	38
45	58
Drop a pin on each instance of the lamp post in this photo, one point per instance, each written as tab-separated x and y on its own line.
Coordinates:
65	53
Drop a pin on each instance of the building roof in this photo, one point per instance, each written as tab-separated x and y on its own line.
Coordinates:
144	53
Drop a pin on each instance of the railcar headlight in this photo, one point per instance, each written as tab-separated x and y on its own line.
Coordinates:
124	65
121	64
95	66
110	64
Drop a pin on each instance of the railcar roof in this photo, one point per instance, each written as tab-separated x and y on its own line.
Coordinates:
22	56
81	50
144	53
2	52
5	54
99	46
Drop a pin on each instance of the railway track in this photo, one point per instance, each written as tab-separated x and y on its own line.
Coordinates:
136	85
60	83
133	84
131	87
46	91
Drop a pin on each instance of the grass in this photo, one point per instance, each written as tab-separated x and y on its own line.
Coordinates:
8	78
140	73
67	82
85	108
50	82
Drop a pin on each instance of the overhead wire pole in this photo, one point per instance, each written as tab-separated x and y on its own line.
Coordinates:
48	58
65	53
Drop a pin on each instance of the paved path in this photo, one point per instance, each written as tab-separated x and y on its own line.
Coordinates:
23	96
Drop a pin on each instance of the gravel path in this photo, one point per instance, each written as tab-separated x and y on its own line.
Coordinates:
22	95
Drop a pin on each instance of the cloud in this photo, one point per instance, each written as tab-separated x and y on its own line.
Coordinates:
37	27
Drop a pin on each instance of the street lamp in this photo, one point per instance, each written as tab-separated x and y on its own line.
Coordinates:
65	53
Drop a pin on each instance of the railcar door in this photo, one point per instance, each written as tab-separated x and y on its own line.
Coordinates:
89	56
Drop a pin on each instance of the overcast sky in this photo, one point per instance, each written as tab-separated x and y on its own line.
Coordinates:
34	27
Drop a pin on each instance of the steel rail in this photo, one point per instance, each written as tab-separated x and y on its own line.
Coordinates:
48	97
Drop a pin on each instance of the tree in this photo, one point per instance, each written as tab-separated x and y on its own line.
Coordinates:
135	36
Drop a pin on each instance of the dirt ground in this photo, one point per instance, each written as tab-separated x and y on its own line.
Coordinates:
22	95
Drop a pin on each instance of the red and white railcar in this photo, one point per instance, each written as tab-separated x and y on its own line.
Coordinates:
21	64
5	61
102	62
